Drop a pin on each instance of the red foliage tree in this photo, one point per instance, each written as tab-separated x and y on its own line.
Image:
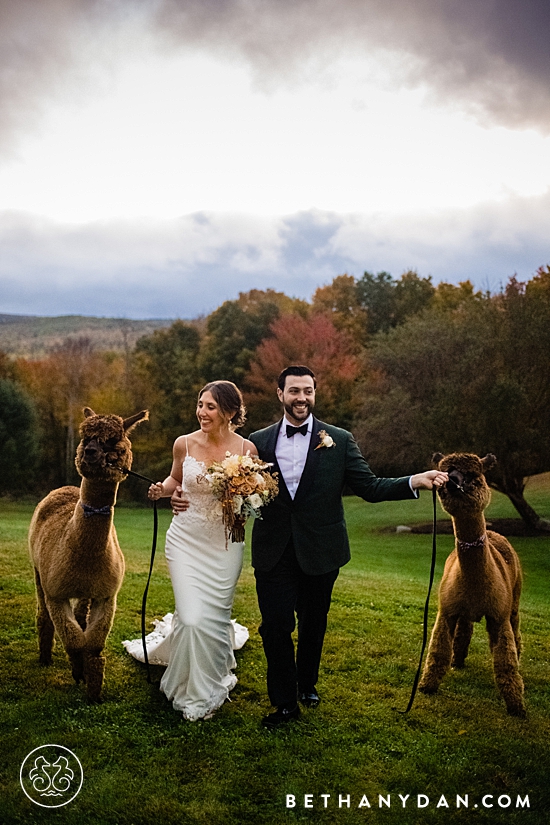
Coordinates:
317	343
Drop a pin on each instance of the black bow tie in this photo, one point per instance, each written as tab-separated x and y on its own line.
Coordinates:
290	430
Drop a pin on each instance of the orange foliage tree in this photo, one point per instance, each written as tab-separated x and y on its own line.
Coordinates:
340	301
315	342
72	376
234	330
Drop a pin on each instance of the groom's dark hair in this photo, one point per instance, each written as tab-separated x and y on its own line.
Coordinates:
296	369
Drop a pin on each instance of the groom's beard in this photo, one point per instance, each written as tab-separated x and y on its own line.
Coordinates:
299	412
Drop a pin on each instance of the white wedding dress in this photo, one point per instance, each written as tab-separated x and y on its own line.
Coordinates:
197	642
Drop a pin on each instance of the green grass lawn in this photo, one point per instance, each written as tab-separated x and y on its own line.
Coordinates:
143	764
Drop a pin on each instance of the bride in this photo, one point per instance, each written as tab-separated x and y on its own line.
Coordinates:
203	568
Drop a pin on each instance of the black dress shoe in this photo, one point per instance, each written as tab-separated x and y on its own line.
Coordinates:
309	699
280	717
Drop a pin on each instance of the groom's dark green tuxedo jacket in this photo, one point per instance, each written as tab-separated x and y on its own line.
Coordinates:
315	517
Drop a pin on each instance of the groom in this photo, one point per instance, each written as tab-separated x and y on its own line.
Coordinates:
301	541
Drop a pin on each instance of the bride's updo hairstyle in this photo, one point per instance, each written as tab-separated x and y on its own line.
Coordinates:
229	399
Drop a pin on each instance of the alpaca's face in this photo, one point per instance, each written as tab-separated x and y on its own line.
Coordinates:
104	443
466	491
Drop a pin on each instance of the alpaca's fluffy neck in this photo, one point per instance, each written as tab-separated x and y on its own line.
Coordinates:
98	493
91	533
469	527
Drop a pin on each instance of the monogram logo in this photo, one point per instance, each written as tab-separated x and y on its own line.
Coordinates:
51	776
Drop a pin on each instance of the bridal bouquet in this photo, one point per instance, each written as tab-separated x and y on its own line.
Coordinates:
243	485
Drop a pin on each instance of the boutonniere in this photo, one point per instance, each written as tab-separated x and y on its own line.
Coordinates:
325	440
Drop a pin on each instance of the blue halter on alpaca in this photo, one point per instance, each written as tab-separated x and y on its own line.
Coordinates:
95	511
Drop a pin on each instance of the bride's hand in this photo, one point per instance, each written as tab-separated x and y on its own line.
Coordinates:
179	501
156	491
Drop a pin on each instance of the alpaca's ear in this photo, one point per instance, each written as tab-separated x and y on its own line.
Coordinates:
488	462
130	423
88	412
436	458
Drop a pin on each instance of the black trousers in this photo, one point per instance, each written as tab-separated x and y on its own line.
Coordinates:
283	591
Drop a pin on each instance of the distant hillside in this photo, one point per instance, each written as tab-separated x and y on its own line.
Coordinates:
33	336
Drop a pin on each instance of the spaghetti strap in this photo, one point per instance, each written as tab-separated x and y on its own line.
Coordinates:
183	485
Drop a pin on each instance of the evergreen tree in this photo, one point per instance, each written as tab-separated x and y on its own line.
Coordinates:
19	443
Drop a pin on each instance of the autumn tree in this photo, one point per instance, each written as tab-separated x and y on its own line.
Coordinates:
412	294
166	381
313	341
235	329
72	376
6	366
470	375
451	296
341	302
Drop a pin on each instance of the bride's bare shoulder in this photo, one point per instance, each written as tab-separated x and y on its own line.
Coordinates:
183	443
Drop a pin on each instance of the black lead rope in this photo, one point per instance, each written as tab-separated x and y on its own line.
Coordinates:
154	548
144	600
426	606
153	551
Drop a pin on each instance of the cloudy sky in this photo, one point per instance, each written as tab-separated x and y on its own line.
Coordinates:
159	156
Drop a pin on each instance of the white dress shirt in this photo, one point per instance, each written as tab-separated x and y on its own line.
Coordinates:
291	454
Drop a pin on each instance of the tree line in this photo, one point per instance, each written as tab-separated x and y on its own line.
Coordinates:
409	367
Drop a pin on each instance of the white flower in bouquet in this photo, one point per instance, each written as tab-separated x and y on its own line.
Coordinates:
231	465
255	501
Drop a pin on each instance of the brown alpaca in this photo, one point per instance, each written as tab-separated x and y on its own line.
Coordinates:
482	577
78	563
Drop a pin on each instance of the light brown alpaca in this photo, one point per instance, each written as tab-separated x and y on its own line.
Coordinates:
482	577
78	563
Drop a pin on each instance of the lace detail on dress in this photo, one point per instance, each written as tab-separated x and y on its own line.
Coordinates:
203	509
214	703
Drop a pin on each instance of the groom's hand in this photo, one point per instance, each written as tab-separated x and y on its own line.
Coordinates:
179	501
429	479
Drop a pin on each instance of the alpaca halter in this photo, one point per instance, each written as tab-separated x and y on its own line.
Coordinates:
466	545
458	486
95	511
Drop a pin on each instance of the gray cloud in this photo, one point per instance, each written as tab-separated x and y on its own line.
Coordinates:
35	53
187	267
490	57
54	48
